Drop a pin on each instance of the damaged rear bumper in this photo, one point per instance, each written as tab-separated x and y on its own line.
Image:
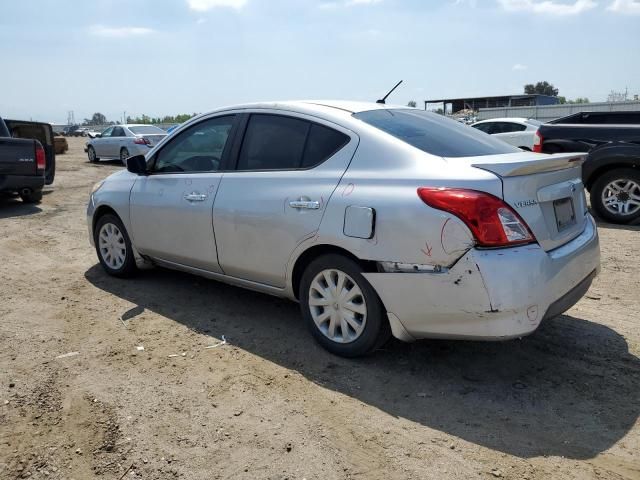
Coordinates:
490	294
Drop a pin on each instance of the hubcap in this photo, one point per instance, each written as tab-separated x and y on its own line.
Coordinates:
92	154
337	306
111	244
124	155
622	197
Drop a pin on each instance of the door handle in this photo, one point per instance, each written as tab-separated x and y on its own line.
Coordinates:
195	197
308	204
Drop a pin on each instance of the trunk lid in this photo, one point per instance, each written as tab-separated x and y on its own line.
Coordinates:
153	139
545	190
17	157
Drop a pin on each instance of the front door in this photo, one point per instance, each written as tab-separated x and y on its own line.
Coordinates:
287	169
171	208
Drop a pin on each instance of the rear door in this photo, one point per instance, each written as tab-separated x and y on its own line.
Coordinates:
117	142
171	208
43	132
101	144
288	165
512	133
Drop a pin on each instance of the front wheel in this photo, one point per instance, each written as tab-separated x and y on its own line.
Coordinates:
91	153
341	308
615	195
113	247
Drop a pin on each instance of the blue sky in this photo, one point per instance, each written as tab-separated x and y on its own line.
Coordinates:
173	56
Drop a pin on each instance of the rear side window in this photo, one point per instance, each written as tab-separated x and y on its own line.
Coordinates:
118	132
322	143
278	142
435	134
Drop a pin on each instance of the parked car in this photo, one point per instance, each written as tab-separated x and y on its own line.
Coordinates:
123	141
22	166
43	133
91	133
600	118
75	131
611	172
519	132
379	220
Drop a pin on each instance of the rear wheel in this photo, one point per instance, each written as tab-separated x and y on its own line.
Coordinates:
341	309
124	154
113	247
91	153
616	195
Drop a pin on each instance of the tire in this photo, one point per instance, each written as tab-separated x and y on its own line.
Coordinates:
34	197
113	247
624	185
374	329
124	154
91	153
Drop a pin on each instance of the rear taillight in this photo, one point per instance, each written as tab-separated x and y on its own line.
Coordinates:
492	222
142	141
537	142
41	161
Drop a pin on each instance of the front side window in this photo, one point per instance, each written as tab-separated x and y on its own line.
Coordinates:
198	149
107	132
484	127
434	134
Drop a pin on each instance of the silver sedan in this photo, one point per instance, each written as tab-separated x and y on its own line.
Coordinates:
378	220
123	141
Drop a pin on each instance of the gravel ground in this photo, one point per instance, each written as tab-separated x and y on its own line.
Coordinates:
79	399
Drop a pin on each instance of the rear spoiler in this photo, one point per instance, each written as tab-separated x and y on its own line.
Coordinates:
534	163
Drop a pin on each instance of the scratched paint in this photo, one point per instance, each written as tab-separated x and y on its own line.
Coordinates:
427	250
348	189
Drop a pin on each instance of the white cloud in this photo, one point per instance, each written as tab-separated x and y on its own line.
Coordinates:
551	7
204	5
625	6
519	66
346	3
119	32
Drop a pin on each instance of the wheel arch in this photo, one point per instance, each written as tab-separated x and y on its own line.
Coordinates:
311	253
607	167
100	212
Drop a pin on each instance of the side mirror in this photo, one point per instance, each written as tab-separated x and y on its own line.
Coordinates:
137	165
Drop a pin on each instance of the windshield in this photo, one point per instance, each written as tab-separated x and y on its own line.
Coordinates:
147	130
434	133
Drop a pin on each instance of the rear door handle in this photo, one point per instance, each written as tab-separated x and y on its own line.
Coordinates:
195	197
308	204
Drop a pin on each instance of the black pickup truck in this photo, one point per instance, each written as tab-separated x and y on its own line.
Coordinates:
27	158
611	172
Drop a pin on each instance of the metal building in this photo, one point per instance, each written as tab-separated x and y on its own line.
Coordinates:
476	103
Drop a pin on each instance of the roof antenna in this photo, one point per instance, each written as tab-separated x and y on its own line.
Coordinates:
382	100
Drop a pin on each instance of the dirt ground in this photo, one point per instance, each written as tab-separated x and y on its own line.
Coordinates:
561	403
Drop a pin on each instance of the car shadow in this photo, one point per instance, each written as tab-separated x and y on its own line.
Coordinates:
14	207
571	389
633	225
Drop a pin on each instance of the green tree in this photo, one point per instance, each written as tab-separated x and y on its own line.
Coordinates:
96	119
541	88
412	104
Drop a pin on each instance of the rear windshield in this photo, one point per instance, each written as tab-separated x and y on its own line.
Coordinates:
147	130
435	134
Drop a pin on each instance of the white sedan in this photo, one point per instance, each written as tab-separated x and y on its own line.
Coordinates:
124	141
519	132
